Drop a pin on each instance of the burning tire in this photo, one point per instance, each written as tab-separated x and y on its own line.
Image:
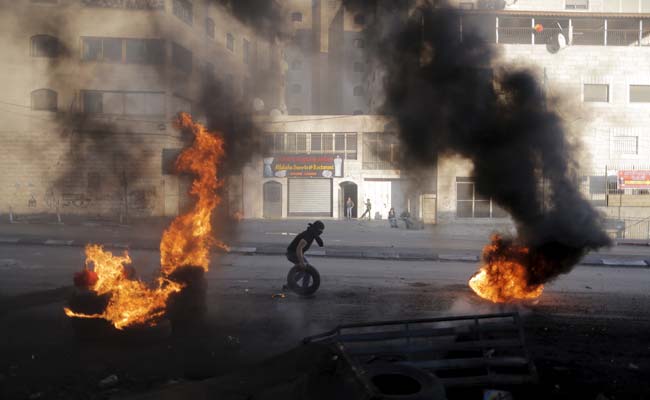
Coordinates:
187	307
303	281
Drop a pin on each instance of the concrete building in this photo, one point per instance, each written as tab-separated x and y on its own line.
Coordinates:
316	162
90	88
326	61
601	75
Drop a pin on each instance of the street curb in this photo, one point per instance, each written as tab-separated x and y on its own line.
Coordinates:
640	244
341	252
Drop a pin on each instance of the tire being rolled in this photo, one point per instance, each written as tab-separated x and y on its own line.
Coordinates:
295	275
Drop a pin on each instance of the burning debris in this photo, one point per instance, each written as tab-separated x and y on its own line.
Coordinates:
185	248
504	275
449	96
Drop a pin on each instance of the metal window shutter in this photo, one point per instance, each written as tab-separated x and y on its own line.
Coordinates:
310	197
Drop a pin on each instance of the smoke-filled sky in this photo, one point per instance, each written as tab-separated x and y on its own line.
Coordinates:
452	97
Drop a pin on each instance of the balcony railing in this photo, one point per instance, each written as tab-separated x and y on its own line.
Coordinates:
579	32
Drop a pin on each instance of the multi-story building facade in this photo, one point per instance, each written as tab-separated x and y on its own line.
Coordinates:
326	60
315	163
598	69
90	88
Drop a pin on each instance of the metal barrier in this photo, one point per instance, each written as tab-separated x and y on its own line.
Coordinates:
472	350
636	229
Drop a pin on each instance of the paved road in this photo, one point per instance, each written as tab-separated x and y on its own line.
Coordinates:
31	268
246	324
343	239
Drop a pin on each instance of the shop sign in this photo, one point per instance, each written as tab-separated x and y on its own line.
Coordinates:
304	165
633	179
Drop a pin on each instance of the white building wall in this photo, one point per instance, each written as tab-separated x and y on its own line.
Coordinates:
595	124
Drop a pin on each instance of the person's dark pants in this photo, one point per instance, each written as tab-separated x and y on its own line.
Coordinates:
393	222
294	258
366	212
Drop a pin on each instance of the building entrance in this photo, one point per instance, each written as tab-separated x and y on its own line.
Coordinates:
348	189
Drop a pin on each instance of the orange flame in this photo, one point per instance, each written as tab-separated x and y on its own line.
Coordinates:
131	302
503	277
186	242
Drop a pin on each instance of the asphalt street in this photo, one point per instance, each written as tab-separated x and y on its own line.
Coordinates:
343	239
247	323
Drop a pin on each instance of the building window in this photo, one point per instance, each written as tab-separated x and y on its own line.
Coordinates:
625	145
471	204
136	51
359	67
44	46
102	49
183	10
245	48
358	91
327	141
596	93
359	43
145	51
296	88
316	144
360	19
577	5
380	150
209	27
181	58
44	100
465	5
296	17
230	42
344	144
639	93
123	103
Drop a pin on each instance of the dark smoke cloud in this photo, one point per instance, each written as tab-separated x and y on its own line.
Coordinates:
266	17
447	99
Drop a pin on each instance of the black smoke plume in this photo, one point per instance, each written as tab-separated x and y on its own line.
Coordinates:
266	17
447	99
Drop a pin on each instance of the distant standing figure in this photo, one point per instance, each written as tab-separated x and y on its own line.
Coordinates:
392	218
349	205
406	217
368	208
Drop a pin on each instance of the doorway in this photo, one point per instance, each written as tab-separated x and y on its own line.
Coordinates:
272	199
348	189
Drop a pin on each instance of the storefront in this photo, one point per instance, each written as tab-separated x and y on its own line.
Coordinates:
314	164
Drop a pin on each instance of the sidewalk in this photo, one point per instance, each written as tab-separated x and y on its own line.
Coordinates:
343	239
